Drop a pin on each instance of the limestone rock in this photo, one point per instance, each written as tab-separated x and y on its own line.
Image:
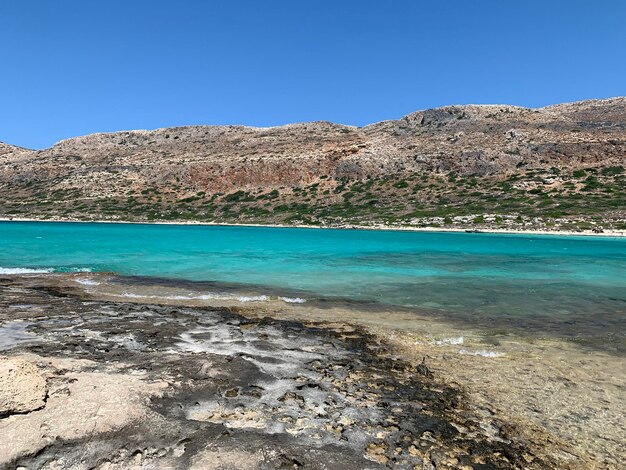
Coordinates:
22	387
228	158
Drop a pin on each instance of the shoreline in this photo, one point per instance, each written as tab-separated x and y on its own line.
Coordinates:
495	231
539	389
171	381
253	299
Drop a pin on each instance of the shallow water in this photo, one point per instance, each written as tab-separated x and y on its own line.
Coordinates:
519	278
14	333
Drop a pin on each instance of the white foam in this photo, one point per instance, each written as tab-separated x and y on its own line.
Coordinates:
87	282
243	298
134	296
25	270
209	297
483	353
292	300
40	270
457	341
253	298
130	295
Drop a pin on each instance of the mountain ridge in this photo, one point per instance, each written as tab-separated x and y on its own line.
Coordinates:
616	99
159	168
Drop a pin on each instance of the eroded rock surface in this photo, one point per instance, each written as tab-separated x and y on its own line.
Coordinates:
22	387
145	386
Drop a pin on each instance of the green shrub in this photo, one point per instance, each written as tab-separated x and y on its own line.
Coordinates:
612	170
591	183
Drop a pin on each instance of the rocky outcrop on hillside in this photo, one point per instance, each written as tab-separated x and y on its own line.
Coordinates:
488	141
465	139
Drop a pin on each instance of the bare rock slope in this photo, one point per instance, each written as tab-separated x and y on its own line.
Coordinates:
489	142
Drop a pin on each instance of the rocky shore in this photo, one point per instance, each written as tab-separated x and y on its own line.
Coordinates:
87	383
95	384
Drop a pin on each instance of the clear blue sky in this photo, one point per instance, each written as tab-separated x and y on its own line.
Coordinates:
73	67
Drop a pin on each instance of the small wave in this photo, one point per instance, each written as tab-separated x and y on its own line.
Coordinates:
130	295
87	282
483	353
458	340
210	296
42	270
25	270
292	300
243	298
253	298
135	296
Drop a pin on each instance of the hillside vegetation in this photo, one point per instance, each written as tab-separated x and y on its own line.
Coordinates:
560	167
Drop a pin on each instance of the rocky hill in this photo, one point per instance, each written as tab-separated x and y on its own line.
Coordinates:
558	166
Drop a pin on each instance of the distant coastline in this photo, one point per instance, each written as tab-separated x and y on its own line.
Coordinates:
500	169
586	233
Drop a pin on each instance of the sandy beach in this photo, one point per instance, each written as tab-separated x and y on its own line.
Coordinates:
588	233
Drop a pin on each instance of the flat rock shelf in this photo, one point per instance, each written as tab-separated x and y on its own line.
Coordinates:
137	385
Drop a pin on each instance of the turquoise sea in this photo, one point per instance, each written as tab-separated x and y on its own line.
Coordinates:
521	280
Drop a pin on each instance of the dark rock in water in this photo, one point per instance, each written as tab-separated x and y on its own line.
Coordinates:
423	369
